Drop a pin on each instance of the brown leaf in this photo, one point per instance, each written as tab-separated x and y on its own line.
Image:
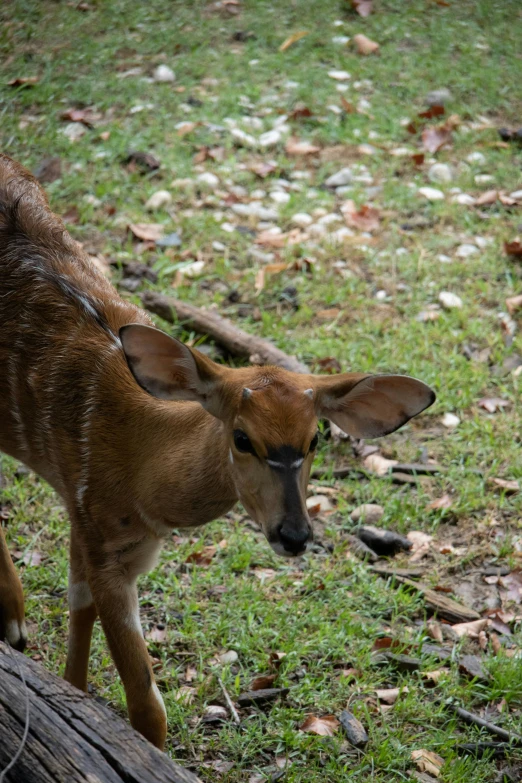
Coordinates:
471	666
493	404
348	107
378	464
262	682
363	7
513	584
390	695
507	201
421	545
427	761
500	620
157	634
418	158
365	219
203	556
471	629
434	138
186	128
329	365
365	45
32	558
190	674
269	269
496	644
23	81
514	303
263	169
486	198
440	503
147	232
295	147
324	727
433	111
142	161
514	248
86	116
299	112
292	39
510	486
435	675
329	314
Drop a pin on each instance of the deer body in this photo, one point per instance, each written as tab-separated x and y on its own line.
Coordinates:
132	463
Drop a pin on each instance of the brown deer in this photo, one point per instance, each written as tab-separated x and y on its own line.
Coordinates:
140	434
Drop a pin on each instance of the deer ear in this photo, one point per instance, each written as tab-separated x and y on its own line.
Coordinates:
371	406
167	368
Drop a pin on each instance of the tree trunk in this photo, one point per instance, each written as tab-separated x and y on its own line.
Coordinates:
72	738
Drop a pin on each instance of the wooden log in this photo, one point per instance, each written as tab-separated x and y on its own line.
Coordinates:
221	330
71	738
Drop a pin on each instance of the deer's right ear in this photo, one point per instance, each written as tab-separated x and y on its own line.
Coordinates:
167	368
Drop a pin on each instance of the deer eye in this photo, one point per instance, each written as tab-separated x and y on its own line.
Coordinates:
242	442
314	442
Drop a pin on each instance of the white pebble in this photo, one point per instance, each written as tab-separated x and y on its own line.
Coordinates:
381	295
342	177
163	74
440	172
158	199
517	194
432	194
74	131
449	300
466	250
301	219
319	503
339	76
280	197
463	198
255	254
228	657
243	139
476	157
340	40
444	259
450	421
207	178
484	179
219	247
270	138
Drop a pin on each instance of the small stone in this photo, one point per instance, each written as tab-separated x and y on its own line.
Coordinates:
439	97
258	194
163	74
219	247
464	198
74	131
449	300
270	138
301	219
340	40
255	209
207	178
230	656
369	513
329	218
432	194
484	179
318	503
169	240
444	259
92	200
280	197
339	76
476	157
450	421
228	227
440	172
244	139
254	254
381	296
344	190
158	199
464	251
342	177
341	234
517	194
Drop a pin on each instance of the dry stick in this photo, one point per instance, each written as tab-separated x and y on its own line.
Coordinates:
229	701
476	720
221	330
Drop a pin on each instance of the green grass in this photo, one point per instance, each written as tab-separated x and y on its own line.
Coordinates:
325	611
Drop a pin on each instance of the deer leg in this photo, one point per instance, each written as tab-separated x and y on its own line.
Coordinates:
82	614
116	599
12	612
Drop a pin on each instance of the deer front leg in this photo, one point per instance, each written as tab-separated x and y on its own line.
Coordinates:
12	612
82	614
116	599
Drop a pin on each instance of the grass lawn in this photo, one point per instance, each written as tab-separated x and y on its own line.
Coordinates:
370	299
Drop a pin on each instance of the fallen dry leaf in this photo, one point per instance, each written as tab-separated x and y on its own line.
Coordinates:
365	45
421	544
390	695
378	464
434	138
295	147
292	39
427	761
157	634
514	303
299	112
262	682
440	503
185	695
348	107
496	644
471	629
86	116
433	111
186	127
262	169
203	556
23	81
514	248
142	161
435	675
513	584
269	269
365	219
363	7
418	158
324	727
486	198
328	315
147	232
510	486
434	631
221	767
493	404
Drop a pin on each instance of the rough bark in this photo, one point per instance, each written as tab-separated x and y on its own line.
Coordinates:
72	738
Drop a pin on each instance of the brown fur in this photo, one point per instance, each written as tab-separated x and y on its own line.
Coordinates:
128	466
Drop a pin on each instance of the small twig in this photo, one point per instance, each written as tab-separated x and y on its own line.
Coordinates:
476	720
26	728
497	749
229	702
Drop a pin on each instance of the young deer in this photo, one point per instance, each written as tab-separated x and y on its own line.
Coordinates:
140	434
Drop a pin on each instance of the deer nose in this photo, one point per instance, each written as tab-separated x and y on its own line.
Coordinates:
294	538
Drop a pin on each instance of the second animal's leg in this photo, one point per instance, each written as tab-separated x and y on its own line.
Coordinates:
12	612
82	614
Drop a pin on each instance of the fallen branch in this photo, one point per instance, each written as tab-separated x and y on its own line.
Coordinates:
442	606
476	720
229	702
221	330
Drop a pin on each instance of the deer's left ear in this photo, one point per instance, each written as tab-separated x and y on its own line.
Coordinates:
373	405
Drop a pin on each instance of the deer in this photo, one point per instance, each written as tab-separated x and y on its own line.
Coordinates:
140	434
